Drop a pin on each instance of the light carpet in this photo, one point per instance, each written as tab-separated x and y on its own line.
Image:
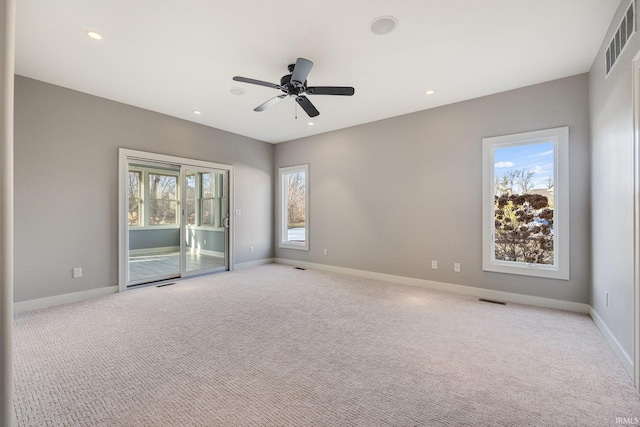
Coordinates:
276	346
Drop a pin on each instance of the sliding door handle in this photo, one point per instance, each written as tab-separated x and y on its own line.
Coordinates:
225	222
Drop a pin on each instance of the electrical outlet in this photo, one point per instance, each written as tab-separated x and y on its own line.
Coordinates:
456	267
434	264
205	242
77	272
251	249
325	252
238	212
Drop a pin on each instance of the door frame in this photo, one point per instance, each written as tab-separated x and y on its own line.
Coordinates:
124	156
636	219
183	229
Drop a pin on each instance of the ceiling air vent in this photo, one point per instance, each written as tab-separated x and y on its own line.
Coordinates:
625	31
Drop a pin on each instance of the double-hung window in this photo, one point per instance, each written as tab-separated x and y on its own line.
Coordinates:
204	199
294	209
135	198
208	201
153	197
526	203
163	199
191	198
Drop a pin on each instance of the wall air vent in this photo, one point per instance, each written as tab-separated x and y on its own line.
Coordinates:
165	284
492	301
623	34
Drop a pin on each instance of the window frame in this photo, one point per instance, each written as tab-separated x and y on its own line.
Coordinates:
145	199
149	199
198	202
560	138
216	201
195	200
283	238
140	198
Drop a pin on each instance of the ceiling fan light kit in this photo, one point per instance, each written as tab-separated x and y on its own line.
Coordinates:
294	85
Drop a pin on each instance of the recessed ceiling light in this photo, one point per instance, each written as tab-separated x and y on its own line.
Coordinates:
237	91
383	25
197	112
310	124
430	92
94	35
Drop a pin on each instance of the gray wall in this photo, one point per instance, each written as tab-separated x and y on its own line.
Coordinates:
149	239
393	195
214	239
612	189
66	187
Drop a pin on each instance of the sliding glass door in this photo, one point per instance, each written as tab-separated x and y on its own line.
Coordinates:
206	216
174	218
153	192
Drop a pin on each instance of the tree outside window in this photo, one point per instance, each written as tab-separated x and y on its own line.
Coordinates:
152	197
525	203
295	201
134	197
191	199
163	201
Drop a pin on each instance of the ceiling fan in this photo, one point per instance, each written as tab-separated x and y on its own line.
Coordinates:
294	85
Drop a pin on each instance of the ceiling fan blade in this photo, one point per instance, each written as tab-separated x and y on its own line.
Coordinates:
331	90
256	82
269	103
300	71
307	106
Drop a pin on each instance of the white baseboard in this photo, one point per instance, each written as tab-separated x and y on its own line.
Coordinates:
165	249
205	252
623	357
460	289
34	304
255	263
149	251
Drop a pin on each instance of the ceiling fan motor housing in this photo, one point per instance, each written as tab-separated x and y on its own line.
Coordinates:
290	88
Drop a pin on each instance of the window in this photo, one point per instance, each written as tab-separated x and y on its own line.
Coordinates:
208	201
525	203
152	196
294	193
191	199
163	199
135	198
204	199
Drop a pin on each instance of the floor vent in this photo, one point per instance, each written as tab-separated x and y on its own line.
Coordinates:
299	268
165	284
625	31
492	301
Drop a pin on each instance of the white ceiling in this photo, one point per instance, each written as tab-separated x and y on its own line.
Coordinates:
174	57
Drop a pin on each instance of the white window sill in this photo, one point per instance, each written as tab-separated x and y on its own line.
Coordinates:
297	246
